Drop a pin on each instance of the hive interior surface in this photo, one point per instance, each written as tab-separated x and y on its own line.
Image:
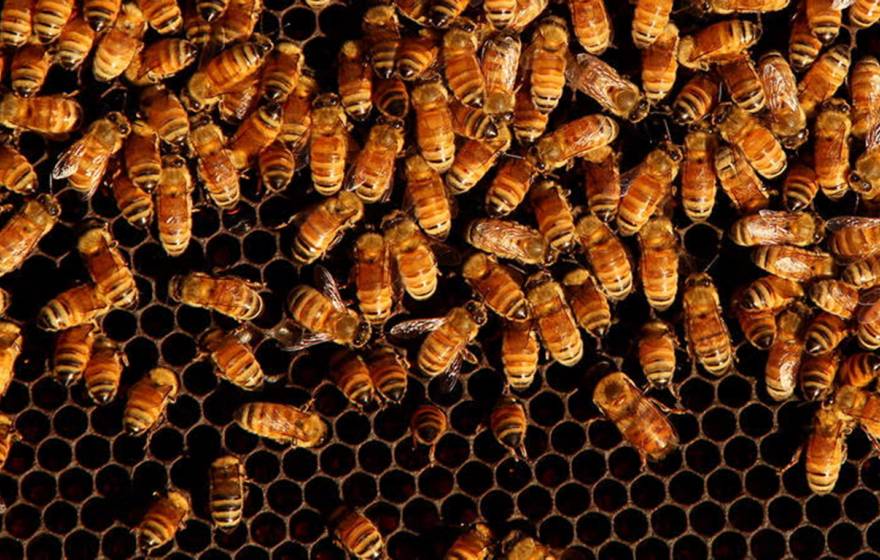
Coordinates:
75	485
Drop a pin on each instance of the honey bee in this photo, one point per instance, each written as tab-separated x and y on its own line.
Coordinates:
607	256
391	98
48	115
553	215
373	169
658	267
165	114
11	342
757	143
799	187
120	46
240	101
389	373
174	205
509	186
224	71
382	35
28	69
325	224
282	71
255	134
574	139
163	15
794	263
770	293
329	144
528	122
277	164
74	44
865	178
49	17
696	99
826	447
721	42
787	119
501	55
637	417
588	303
104	370
428	424
744	84
739	181
823	19
135	205
831	148
497	287
859	369
602	182
73	347
8	435
283	423
15	22
233	357
461	66
519	354
163	59
147	400
426	195
143	161
107	267
500	13
825	333
164	517
231	296
417	55
803	46
591	24
84	163
835	297
864	13
473	160
76	306
526	12
758	326
657	345
705	331
784	357
474	544
660	65
508	423
547	63
853	237
599	80
373	278
355	83
324	317
434	129
649	21
195	29
824	78
519	546
415	261
651	184
215	163
698	179
16	172
554	320
24	230
508	240
226	495
357	535
864	273
238	21
350	373
773	227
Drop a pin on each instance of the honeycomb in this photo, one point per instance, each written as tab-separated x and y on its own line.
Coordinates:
76	484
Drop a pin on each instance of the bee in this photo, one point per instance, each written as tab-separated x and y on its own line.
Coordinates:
209	10
428	424
637	417
241	101
474	544
744	84
226	496
509	186
554	320
758	326
651	184
660	65
547	63
76	306
382	35
11	342
357	535
48	115
16	172
519	354
103	370
859	369
73	347
600	81
775	227
233	357
147	400
519	546
705	330
787	119
283	423
853	237
355	83
831	148
863	273
528	122
500	13
15	22
657	345
607	256
165	114
135	205
784	357
107	267
24	230
553	215
794	263
461	66
163	15
195	29
868	320
757	143
49	17
215	163
770	293
649	21
696	100
864	13
277	164
143	161
373	278
255	134
417	55
574	139
329	144
389	373
84	163
588	303
415	261
174	205
527	11
350	373
721	42
224	71
164	517
602	185
803	46
434	129
28	70
472	123
823	19
826	447
508	423
237	22
835	297
865	178
373	168
508	240
591	24
120	46
698	179
497	287
426	194
444	12
825	333
824	78
473	160
501	55
391	98
163	59
799	187
324	317
231	296
658	267
74	44
744	6
325	224
739	181
282	71
8	436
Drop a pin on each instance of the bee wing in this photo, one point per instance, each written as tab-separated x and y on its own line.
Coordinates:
68	162
841	4
415	327
627	178
500	236
294	339
328	286
872	139
778	88
857	222
449	378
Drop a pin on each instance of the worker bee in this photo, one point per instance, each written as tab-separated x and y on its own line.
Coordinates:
52	116
651	184
835	297
373	168
607	256
637	417
774	227
757	143
603	186
174	205
11	342
434	129
426	195
373	278
428	424
824	78
165	114
135	205
649	21
660	65
350	373
143	161
74	44
696	99
705	331
224	71
786	117
501	55
323	316
16	172
508	423
163	59
864	13
238	21
474	544
508	240
547	63
720	42
103	370
853	237
84	163
15	22
794	263
599	80
863	273
528	122
325	224
357	534
255	134
473	160
226	495
416	55
859	369
864	89
76	306
461	66
24	230
164	517
120	46
389	373
231	296
509	186
355	83
823	18
591	24
73	347
8	436
282	71
553	215
744	84
233	357
497	287
277	164
500	13
283	423
415	261
803	46
391	98
799	187
147	400
329	144
107	266
657	345
163	15
739	181
382	36
831	148
215	163
240	101
28	69
574	139
519	354
49	17
826	447
698	178
758	326
472	122
825	333
554	320
784	357
770	293
588	303
658	267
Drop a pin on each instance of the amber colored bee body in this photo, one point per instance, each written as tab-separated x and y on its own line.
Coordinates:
474	544
209	10
83	164
519	546
528	122
443	347
853	237
865	178
784	356
328	147
224	71
426	194
719	42
357	535
835	297
602	82
164	517
573	139
16	172
165	114
650	186
74	44
323	225
699	182
354	78
195	29
373	168
591	24
823	19
135	204
473	160
508	423
509	186
350	373
147	400
501	56
864	273
417	55
237	22
637	417
826	448
165	58
602	185
215	164
117	48
143	160
233	357
787	118
277	165
283	423
107	267
389	373
226	495
825	333
554	320
588	303
15	22
462	67
11	342
382	36
391	98
658	267
649	21
757	143
28	69
803	46
770	293
20	235
859	369
739	181
553	215
48	115
831	148
868	324
660	65
73	347
864	13
428	424
317	313
255	134
103	370
607	256
231	296
745	6
434	128
236	104
281	72
8	435
76	306
415	261
824	78
657	345
794	263
497	287
373	278
49	17
174	205
548	63
744	84
758	325
772	227
696	99
508	240
163	15
705	330
799	188
500	13
519	354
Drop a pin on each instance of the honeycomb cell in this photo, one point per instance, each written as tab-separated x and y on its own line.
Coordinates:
807	542
75	485
120	325
740	453
38	488
588	467
22	521
284	497
54	454
615	551
166	444
496	507
844	539
452	450
630	525
609	495
97	514
746	514
707	518
48	394
60	518
70	422
593	529
81	545
397	486
785	513
861	506
669	521
359	489
556	532
267	529
475	478
624	463
697	395
653	549
299	24
568	438
762	482
44	546
128	450
421	515
724	485
719	424
322	493
299	464
686	488
823	510
768	543
604	435
459	510
157	321
647	492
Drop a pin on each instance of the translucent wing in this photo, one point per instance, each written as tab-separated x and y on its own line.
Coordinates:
292	338
415	327
841	4
856	222
781	89
627	178
449	378
872	139
328	286
68	162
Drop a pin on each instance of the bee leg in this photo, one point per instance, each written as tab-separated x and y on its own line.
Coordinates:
670	410
795	458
